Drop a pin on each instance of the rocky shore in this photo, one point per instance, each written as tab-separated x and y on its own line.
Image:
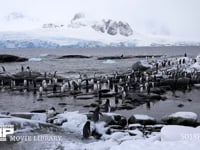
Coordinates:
148	81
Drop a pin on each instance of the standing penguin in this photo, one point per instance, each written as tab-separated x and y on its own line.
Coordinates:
50	114
96	114
86	130
3	68
107	107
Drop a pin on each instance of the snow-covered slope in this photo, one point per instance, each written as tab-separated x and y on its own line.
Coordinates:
22	31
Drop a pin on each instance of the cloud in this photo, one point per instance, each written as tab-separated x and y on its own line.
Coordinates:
177	18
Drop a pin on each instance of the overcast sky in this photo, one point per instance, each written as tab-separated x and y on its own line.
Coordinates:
175	18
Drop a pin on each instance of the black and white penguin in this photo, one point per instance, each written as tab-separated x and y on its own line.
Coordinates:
22	68
28	69
96	114
86	130
50	114
107	107
3	68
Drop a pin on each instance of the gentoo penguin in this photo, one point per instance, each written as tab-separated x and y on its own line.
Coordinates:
107	107
123	95
3	68
44	84
50	114
40	93
86	130
96	114
65	110
25	82
62	89
22	68
141	88
54	75
28	69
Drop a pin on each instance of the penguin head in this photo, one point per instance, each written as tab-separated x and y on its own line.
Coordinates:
65	109
88	123
107	101
53	108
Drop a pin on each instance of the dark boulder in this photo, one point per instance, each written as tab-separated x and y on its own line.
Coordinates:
114	119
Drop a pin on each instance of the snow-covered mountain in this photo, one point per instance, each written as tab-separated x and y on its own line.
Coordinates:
22	31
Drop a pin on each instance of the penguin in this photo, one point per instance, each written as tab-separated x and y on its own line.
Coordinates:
141	88
22	68
86	130
123	95
40	93
62	89
3	68
55	80
107	107
65	110
28	69
44	84
95	87
54	88
96	114
25	82
54	75
50	114
116	101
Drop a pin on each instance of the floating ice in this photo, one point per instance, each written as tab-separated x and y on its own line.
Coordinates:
109	61
35	59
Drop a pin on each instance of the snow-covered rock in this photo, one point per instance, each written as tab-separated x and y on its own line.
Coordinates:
181	118
32	116
141	65
179	133
23	125
75	121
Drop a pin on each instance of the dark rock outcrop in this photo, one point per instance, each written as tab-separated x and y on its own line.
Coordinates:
4	58
139	66
73	56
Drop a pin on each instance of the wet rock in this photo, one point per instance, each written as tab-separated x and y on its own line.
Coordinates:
93	105
73	56
114	119
27	75
181	118
180	105
127	106
11	58
141	119
158	91
135	126
85	97
114	57
62	104
39	111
